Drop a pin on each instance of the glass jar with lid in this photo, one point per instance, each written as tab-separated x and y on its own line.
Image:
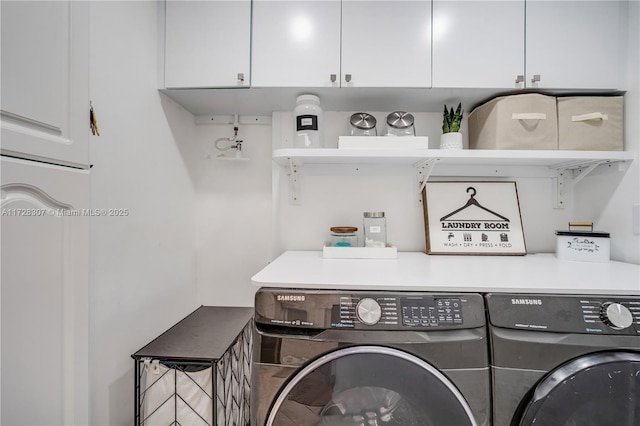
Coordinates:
400	123
344	236
363	124
375	229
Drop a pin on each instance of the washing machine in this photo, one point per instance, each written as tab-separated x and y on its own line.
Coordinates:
333	357
564	360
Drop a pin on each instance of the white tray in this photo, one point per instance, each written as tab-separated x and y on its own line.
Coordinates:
388	252
384	142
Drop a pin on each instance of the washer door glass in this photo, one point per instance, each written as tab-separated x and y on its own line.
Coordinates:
369	385
599	389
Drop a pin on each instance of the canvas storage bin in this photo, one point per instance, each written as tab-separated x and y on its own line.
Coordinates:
524	121
591	123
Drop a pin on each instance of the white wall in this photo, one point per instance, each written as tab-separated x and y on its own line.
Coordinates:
143	266
607	195
234	214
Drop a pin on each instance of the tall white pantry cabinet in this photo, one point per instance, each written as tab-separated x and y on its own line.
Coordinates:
45	183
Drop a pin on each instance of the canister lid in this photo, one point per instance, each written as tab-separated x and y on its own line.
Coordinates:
373	214
344	229
586	231
308	98
362	120
595	234
400	120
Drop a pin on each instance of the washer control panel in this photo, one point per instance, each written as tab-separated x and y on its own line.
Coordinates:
401	311
365	310
564	313
428	311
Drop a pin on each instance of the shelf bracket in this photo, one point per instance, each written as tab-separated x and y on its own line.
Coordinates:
559	195
423	171
563	185
293	173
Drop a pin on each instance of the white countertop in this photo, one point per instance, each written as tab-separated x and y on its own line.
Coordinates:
416	271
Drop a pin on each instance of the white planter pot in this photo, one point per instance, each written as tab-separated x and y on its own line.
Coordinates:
451	140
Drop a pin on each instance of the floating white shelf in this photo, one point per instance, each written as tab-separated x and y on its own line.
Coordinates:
415	157
557	165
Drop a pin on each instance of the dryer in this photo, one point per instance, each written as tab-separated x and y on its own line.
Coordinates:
332	357
564	360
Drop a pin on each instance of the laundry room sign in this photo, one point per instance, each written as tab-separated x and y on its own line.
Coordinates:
473	218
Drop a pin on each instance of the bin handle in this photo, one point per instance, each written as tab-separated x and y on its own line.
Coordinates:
590	116
581	224
529	116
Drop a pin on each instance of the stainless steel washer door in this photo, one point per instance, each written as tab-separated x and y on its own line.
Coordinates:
369	385
597	389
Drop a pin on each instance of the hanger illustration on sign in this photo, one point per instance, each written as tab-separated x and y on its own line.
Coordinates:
473	202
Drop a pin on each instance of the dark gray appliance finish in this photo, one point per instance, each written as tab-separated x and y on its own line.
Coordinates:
564	359
361	357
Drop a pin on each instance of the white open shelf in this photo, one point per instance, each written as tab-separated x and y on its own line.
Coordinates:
476	157
557	165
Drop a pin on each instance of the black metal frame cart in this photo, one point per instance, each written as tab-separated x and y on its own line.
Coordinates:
198	372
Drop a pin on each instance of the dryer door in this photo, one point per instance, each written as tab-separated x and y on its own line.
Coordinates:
369	385
597	389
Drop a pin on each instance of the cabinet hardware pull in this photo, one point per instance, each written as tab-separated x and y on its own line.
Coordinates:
347	78
519	79
536	78
332	77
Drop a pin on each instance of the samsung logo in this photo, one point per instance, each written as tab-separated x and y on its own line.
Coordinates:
526	301
290	297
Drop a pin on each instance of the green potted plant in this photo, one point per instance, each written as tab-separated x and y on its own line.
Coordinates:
451	137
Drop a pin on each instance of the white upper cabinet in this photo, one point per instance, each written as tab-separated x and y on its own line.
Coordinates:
386	44
532	44
45	81
207	43
341	44
575	44
478	43
296	43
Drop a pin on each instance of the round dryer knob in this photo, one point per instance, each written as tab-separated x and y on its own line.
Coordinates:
616	315
368	311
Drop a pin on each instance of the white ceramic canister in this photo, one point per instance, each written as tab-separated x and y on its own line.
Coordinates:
308	122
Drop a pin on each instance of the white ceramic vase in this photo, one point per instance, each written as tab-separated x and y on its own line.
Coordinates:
452	140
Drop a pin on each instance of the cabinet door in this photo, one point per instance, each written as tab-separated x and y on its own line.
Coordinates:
386	43
44	298
45	81
207	43
295	43
575	44
478	44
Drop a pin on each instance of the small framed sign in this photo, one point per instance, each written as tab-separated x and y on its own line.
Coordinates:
479	218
